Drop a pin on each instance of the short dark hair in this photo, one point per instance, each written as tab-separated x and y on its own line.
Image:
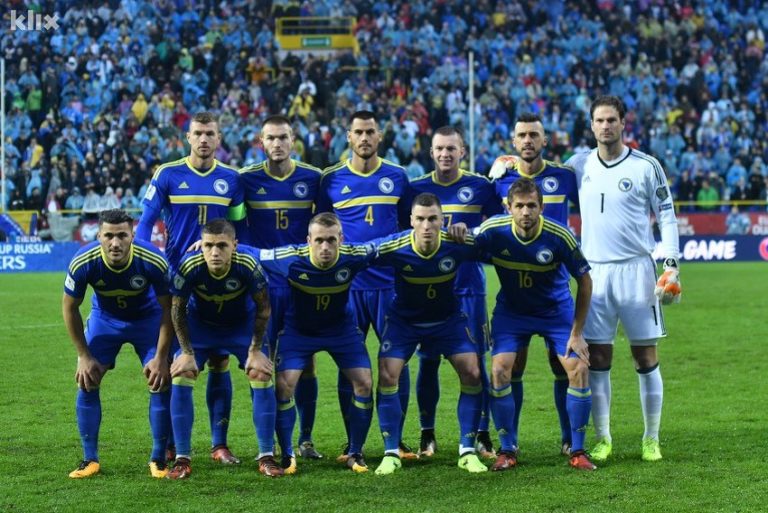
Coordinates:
326	219
219	226
364	115
524	186
609	101
448	131
529	117
426	199
205	118
277	119
115	216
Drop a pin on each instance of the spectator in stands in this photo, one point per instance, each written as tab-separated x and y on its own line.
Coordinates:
737	223
74	202
91	202
707	197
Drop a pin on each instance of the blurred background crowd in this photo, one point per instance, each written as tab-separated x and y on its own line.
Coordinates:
96	105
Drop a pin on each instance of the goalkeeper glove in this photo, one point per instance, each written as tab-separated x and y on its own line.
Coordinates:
500	166
668	288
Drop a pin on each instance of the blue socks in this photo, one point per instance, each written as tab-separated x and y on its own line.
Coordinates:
88	411
219	398
503	410
468	412
182	414
427	391
306	404
579	404
159	422
360	416
264	405
390	414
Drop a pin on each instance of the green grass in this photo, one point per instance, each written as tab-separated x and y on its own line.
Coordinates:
713	429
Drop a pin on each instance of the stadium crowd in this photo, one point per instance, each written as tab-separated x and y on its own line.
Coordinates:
96	104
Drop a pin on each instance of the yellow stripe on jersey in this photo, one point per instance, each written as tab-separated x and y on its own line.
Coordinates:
562	232
219	298
366	200
520	266
118	292
245	260
395	244
453	209
197	199
429	279
83	259
279	204
191	263
554	198
352	250
252	168
162	167
320	290
148	256
495	222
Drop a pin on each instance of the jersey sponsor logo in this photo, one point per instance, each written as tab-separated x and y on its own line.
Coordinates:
151	190
304	276
550	184
178	282
232	284
138	282
446	264
100	283
465	194
183	185
408	268
662	192
300	190
544	256
625	185
342	275
346	189
69	283
221	186
261	190
386	185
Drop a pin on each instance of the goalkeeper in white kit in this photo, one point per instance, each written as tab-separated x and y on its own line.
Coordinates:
619	189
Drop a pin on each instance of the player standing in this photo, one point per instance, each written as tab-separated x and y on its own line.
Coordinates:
131	303
619	188
280	197
221	305
528	252
558	186
425	311
465	198
190	192
366	193
319	318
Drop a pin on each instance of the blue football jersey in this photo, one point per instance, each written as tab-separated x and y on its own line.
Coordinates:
557	184
469	199
279	209
320	297
129	293
529	271
220	300
424	284
190	198
369	207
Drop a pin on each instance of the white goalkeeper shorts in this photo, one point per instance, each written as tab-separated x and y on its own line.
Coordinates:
623	291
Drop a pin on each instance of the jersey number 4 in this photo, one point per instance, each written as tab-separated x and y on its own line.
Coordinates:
369	215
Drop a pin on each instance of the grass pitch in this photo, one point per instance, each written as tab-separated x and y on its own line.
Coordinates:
713	428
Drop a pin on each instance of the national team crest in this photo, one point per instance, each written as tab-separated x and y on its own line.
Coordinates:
178	282
446	264
232	284
300	190
386	185
137	282
544	256
342	275
221	186
386	346
465	194
550	184
625	185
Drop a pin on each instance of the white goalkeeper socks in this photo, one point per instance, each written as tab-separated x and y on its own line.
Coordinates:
600	383
651	399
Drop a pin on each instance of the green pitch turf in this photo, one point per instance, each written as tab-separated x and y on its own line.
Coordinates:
713	436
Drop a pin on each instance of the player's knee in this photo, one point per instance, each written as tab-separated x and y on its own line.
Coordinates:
188	375
501	375
470	376
387	376
362	386
578	373
284	388
600	355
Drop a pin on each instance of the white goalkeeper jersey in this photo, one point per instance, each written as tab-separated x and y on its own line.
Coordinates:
617	199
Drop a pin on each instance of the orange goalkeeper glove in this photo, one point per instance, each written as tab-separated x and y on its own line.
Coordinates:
668	288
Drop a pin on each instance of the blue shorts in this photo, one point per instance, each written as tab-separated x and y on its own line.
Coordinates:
210	340
510	332
105	335
294	350
370	308
279	300
447	338
475	308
